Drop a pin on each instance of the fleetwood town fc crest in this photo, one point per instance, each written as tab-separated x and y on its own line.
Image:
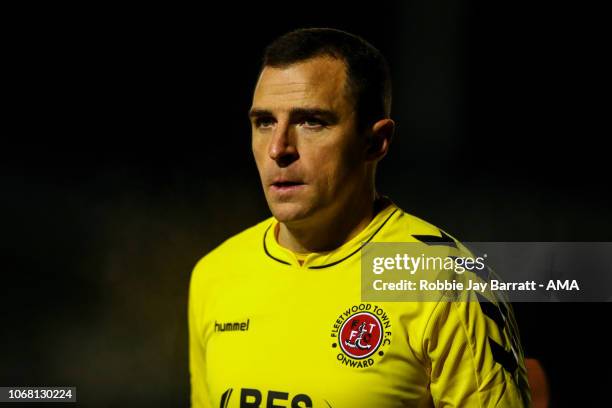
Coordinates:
361	335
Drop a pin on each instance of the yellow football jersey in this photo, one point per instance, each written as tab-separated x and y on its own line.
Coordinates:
269	328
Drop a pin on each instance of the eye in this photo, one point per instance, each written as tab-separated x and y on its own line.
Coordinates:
312	124
264	123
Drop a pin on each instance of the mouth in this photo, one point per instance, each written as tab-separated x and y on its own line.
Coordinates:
286	185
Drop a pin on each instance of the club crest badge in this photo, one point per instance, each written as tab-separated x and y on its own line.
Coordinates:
361	334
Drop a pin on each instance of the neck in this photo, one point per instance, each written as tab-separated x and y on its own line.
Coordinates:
332	232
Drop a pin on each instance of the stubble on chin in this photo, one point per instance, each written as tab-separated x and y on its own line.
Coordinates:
287	212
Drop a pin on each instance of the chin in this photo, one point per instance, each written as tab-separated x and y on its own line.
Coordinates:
289	212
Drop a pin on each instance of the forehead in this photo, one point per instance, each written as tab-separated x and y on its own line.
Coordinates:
317	82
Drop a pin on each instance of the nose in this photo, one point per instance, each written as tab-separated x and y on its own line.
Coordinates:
283	149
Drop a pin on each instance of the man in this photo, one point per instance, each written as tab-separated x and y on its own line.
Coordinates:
275	312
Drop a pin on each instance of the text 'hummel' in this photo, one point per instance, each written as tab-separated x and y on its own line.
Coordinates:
232	326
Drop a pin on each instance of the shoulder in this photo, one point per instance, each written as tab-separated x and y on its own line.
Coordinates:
236	247
406	227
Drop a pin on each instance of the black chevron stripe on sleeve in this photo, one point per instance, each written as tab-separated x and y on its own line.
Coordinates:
492	311
503	357
444	239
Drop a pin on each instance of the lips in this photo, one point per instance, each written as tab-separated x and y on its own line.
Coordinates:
286	182
286	185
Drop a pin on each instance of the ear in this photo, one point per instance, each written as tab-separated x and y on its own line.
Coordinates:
379	139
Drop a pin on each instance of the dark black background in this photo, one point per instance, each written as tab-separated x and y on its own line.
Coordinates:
126	157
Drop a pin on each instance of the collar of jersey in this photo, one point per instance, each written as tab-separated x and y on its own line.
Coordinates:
320	260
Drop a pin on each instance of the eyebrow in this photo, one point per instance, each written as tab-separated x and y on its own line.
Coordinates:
326	114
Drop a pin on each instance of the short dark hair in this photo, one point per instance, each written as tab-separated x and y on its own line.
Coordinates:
368	77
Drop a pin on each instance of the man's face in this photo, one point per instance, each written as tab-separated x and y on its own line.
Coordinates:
307	149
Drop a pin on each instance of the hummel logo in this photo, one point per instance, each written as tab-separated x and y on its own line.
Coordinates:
232	326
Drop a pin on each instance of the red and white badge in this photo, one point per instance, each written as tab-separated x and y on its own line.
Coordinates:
360	335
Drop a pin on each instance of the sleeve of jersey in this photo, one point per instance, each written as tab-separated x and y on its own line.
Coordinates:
474	356
197	356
